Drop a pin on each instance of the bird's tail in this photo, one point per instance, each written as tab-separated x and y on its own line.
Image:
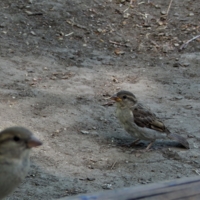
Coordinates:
179	139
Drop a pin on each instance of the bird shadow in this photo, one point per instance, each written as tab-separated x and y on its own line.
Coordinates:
127	143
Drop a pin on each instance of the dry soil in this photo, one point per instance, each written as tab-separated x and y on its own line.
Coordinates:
60	60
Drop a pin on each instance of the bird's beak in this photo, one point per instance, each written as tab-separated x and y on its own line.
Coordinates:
33	142
116	98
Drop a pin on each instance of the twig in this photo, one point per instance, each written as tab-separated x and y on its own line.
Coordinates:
69	34
29	13
117	43
36	13
131	2
113	165
127	8
77	25
169	7
197	171
108	103
183	46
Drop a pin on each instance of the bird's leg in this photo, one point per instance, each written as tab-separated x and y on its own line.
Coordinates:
135	142
149	146
144	150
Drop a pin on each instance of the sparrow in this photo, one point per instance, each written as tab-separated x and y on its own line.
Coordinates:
15	146
140	122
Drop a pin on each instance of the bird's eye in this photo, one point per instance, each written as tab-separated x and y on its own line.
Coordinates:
16	139
124	97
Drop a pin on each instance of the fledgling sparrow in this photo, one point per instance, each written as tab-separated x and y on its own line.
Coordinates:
15	145
140	122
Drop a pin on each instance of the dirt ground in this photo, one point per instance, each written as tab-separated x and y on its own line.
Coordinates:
61	60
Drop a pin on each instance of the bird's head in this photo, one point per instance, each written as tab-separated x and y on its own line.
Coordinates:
14	141
124	98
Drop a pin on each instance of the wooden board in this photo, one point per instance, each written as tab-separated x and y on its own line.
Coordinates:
180	189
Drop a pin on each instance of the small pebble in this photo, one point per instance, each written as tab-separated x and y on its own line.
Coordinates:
90	179
176	44
99	30
191	14
163	12
33	33
107	186
126	15
186	64
84	132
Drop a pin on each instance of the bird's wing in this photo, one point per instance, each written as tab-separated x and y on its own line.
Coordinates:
144	118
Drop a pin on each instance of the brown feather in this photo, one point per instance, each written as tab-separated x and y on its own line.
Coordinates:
143	117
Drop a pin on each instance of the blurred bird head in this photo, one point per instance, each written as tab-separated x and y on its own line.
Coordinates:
15	141
124	98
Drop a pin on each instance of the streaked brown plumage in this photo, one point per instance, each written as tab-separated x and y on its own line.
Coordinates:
140	122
